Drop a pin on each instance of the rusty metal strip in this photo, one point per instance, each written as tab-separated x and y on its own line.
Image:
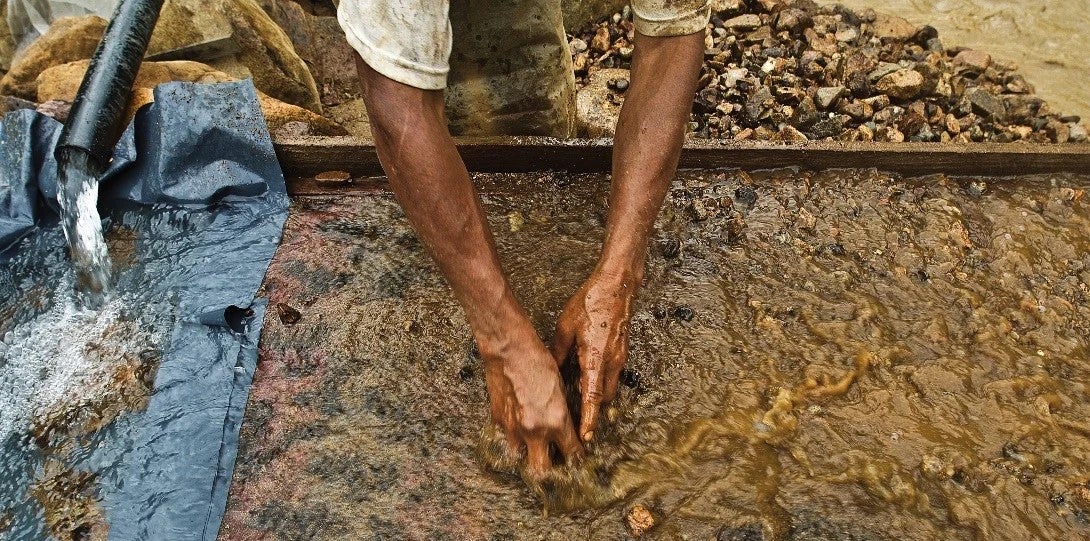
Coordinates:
303	157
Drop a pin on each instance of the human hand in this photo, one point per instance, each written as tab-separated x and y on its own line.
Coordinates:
527	400
595	322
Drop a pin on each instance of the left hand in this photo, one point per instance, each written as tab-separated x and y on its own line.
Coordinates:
595	322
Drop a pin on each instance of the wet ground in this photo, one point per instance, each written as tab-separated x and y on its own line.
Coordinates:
814	356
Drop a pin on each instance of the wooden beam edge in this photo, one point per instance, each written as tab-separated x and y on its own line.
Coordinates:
307	156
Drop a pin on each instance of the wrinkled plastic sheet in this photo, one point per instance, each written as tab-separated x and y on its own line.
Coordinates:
196	178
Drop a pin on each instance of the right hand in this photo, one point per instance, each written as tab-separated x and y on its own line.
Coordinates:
527	397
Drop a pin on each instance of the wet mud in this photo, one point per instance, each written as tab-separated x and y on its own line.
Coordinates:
843	355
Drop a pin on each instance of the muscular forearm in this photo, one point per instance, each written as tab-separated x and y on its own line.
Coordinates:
649	137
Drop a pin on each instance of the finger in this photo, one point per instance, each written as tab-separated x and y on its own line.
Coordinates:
569	443
537	458
562	342
591	388
616	365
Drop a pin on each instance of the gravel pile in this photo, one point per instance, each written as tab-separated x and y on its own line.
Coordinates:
793	70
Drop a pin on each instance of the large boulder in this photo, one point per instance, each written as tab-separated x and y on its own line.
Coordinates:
7	41
264	50
320	42
68	39
598	106
62	83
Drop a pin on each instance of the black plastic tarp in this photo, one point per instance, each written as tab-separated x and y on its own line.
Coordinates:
195	179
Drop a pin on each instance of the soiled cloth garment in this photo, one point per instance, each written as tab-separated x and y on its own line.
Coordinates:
505	63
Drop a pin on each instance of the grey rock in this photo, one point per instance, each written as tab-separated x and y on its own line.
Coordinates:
827	96
985	104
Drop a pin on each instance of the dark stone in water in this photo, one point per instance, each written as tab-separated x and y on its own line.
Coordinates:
466	373
749	532
746	195
669	248
683	313
288	315
659	311
630	378
836	249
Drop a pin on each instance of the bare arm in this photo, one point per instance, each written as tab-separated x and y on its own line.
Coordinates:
433	187
650	133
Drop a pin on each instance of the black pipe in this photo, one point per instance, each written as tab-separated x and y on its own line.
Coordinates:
96	120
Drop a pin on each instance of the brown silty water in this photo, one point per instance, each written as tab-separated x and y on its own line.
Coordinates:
841	355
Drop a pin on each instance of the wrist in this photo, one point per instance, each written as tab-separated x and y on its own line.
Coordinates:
503	330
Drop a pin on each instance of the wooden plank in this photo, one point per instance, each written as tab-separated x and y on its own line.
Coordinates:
307	156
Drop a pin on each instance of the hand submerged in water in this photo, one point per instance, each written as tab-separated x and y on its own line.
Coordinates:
595	323
527	400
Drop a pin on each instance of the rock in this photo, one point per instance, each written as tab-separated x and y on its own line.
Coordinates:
1057	131
857	109
601	42
266	53
639	520
69	39
11	103
278	114
596	107
1077	133
749	532
827	96
62	83
748	21
847	34
972	61
792	19
985	104
826	128
7	41
577	45
883	69
320	43
56	109
729	7
352	115
878	102
893	28
683	313
903	84
330	178
294	129
287	314
890	134
791	135
925	34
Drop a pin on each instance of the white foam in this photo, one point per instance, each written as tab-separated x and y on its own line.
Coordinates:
46	363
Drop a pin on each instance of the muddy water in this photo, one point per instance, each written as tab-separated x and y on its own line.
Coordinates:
1048	39
814	356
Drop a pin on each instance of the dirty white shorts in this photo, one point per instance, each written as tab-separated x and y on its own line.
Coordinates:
409	41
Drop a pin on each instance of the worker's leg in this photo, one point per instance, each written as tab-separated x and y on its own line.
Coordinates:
647	145
432	185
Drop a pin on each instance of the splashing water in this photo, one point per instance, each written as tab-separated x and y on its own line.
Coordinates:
64	357
82	225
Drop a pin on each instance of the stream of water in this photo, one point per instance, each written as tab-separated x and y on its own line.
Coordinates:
78	176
